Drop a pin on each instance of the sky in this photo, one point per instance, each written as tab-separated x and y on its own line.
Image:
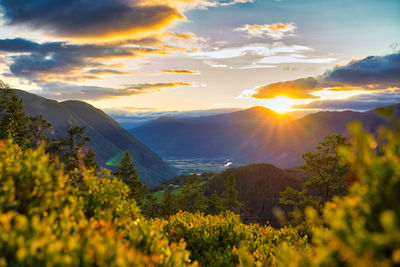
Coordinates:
130	56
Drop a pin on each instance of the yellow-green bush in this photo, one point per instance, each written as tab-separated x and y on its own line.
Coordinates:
223	240
48	218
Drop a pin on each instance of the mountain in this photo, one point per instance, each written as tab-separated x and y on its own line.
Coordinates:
108	139
255	135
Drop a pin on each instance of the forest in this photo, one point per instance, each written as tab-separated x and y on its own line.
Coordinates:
59	208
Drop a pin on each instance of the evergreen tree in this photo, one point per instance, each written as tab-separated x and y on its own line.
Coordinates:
150	206
71	147
214	204
230	195
127	173
89	160
38	130
191	198
328	180
13	119
168	205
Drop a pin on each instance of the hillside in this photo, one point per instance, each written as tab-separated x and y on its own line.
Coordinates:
255	135
109	139
258	185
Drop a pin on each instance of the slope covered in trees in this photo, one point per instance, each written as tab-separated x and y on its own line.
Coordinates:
108	139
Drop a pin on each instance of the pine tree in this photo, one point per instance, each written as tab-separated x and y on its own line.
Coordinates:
13	119
150	207
328	180
71	147
230	195
89	159
127	173
168	205
38	130
191	198
214	204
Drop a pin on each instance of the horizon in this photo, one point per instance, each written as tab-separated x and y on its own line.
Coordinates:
191	56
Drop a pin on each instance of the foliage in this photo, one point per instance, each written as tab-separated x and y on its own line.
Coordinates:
127	173
191	198
364	226
13	119
168	205
224	240
47	219
328	180
214	204
230	195
38	131
150	206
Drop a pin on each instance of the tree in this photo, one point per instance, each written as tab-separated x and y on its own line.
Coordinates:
89	159
230	195
71	147
38	130
13	119
328	180
214	204
168	205
127	173
150	206
191	198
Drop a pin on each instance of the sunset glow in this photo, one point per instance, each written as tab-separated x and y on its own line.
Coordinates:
198	55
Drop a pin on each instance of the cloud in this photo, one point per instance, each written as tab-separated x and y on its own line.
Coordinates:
236	2
258	56
376	71
65	91
361	102
180	71
297	89
373	73
62	61
108	72
275	31
84	19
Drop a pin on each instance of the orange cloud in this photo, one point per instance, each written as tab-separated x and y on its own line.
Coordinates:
297	89
180	71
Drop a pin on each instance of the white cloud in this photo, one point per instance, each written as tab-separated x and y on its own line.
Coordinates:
257	56
275	31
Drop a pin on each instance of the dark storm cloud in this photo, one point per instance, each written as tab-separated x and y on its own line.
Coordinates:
383	70
59	60
88	18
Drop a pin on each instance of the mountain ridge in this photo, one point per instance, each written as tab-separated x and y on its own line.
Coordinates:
109	139
255	135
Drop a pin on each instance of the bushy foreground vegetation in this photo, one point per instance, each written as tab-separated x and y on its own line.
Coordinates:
59	213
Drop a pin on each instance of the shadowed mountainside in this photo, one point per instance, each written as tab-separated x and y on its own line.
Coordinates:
255	135
109	139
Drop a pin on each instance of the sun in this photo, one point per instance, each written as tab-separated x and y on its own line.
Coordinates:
280	104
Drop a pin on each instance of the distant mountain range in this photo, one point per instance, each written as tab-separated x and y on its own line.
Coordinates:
109	139
255	135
